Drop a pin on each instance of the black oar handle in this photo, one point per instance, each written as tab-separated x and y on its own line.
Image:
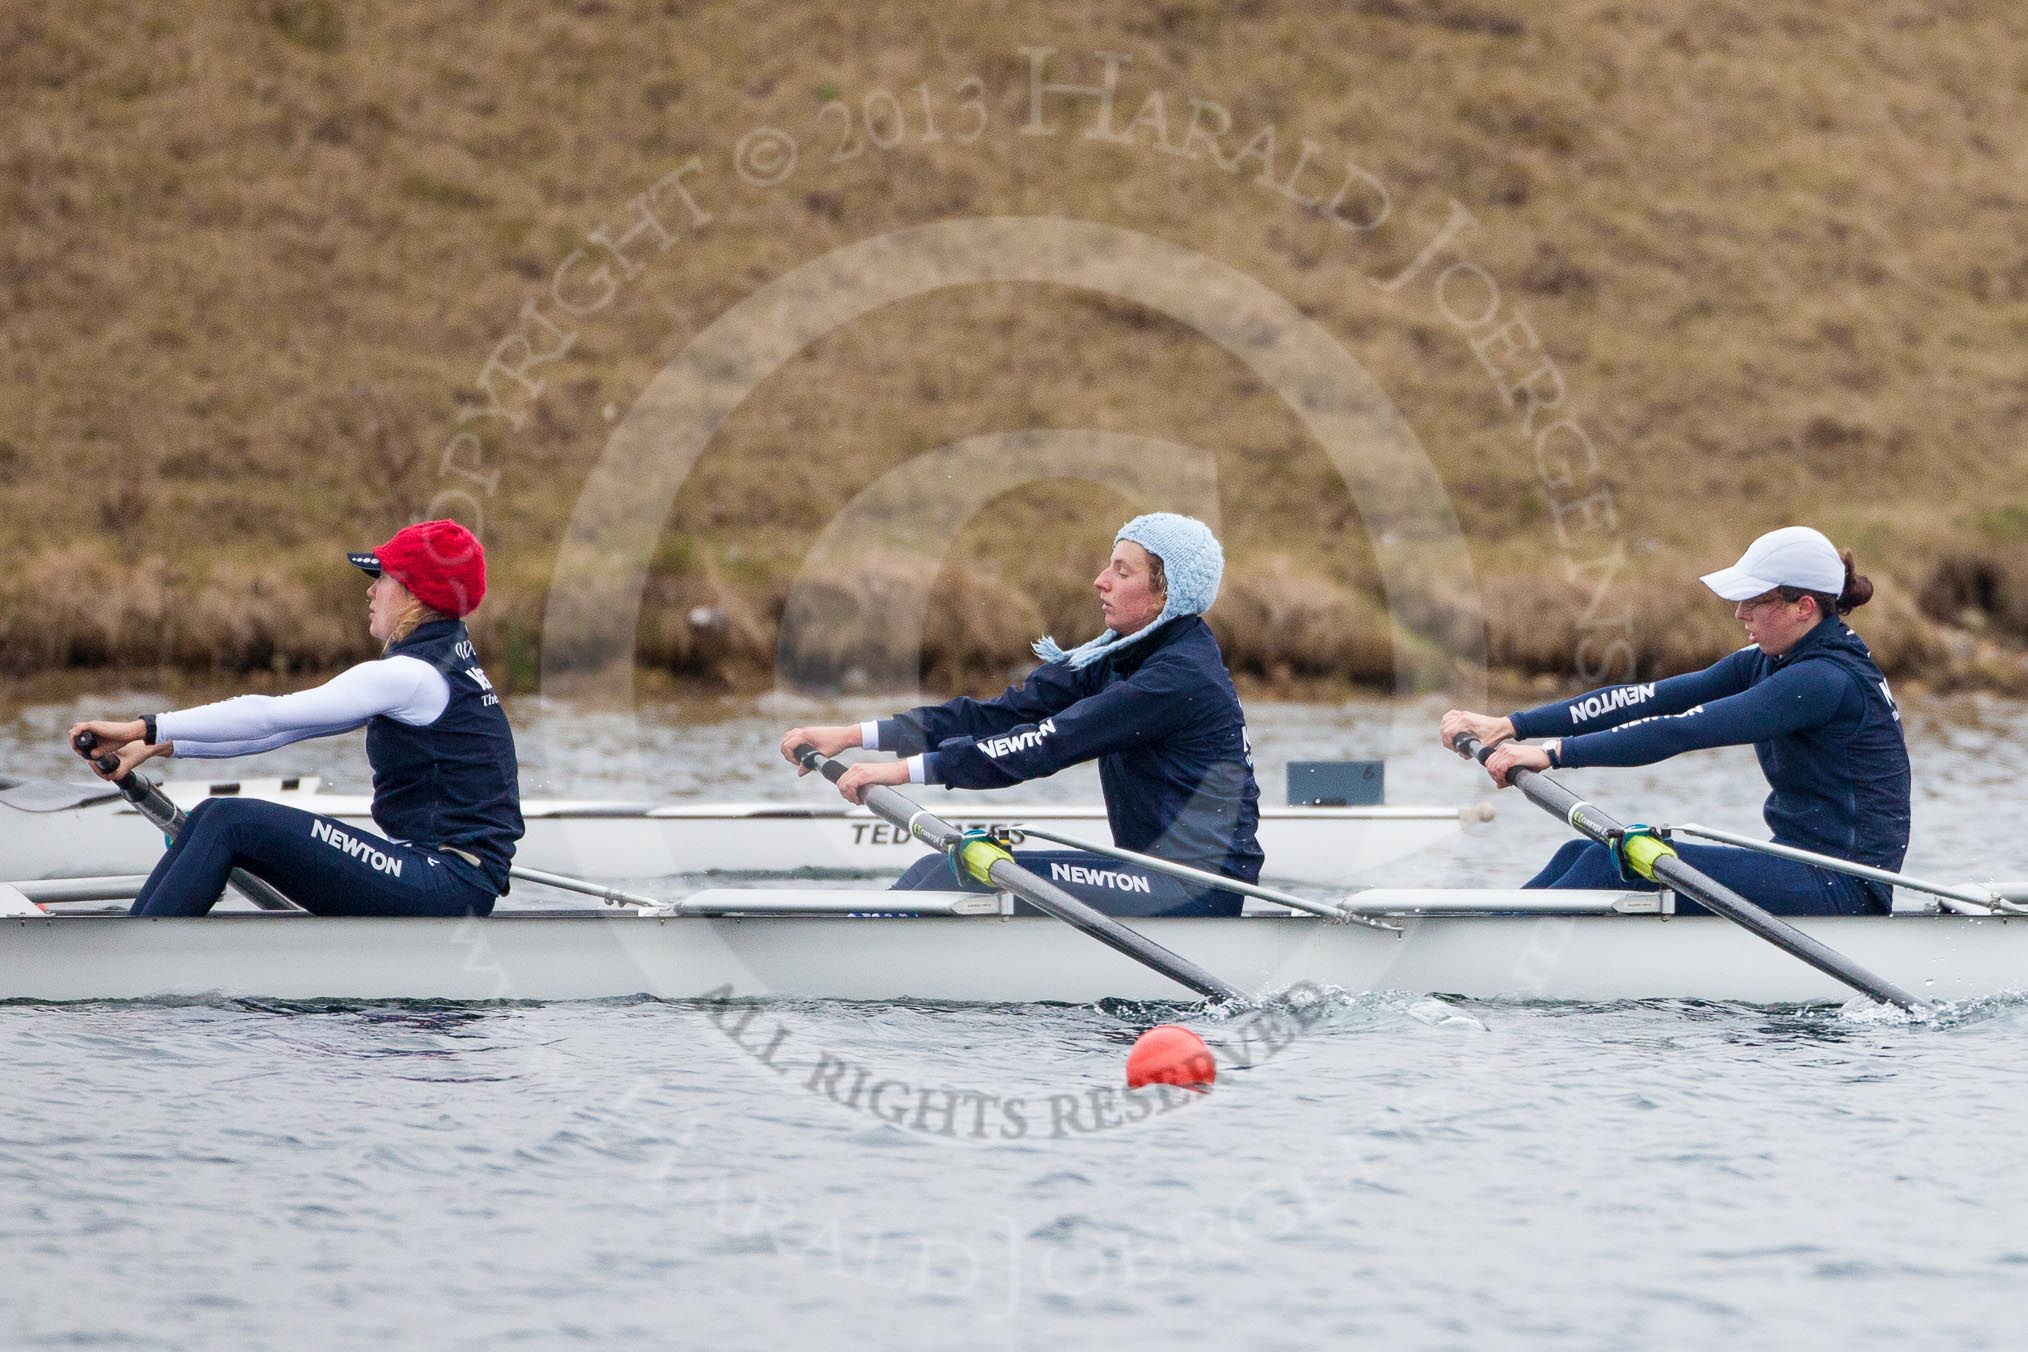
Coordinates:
1541	790
87	742
1471	748
810	758
138	788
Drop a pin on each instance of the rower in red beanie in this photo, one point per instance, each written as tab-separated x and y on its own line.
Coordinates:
446	789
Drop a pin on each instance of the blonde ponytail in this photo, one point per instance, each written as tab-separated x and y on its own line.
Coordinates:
412	617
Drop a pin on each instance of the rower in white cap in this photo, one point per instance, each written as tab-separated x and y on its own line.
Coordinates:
1805	694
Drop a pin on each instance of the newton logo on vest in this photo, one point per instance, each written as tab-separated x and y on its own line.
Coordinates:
486	686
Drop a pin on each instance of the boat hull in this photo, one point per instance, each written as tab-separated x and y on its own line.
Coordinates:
977	959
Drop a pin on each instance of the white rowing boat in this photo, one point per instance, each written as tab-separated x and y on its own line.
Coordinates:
807	944
1331	846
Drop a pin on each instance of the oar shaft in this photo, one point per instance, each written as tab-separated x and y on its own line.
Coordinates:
1589	820
939	834
569	884
1977	896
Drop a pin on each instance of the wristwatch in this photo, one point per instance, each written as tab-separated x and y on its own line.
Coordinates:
148	729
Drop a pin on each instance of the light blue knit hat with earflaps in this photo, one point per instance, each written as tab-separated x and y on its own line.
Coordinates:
1194	564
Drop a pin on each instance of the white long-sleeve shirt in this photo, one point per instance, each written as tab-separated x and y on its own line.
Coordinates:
405	689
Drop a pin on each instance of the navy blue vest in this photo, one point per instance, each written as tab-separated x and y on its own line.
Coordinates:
1841	787
1190	796
455	782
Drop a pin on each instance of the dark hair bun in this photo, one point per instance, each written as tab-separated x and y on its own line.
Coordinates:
1858	590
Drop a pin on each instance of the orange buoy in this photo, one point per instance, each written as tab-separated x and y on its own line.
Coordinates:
1167	1054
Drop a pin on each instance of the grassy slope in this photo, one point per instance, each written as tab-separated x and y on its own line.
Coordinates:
257	254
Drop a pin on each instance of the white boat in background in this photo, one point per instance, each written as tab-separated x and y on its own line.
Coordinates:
44	834
810	944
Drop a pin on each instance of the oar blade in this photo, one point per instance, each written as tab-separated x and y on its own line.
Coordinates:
46	795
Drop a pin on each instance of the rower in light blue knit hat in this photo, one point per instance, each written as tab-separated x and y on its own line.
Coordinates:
1194	563
1162	720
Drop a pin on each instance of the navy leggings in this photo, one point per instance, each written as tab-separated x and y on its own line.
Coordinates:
1783	886
322	865
1110	886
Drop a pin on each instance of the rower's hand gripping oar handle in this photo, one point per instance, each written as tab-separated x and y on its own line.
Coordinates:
971	853
1471	748
810	758
968	852
138	788
87	742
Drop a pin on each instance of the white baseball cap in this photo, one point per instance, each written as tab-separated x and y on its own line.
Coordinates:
1794	556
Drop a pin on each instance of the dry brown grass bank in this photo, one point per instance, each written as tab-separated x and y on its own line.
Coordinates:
258	250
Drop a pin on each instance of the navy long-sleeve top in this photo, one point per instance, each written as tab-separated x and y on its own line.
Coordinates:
1820	719
1160	717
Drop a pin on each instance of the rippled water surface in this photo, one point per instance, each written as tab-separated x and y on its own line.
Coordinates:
1408	1170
